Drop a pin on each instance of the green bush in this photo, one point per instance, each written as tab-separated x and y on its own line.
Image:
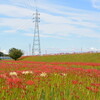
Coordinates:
15	53
1	54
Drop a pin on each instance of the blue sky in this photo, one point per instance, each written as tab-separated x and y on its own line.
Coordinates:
66	25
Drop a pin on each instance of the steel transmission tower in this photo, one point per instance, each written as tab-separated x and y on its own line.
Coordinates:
36	50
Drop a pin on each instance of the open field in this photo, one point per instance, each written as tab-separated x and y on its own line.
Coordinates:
28	80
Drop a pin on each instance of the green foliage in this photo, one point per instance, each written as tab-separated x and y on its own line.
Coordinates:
15	53
1	54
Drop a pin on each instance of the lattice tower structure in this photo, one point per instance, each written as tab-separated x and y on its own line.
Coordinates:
36	50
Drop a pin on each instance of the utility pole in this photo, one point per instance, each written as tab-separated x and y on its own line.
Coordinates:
36	50
29	49
46	52
81	50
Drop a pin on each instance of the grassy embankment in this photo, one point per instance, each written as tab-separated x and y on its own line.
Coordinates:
85	57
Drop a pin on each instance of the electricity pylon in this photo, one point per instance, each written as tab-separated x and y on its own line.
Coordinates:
36	50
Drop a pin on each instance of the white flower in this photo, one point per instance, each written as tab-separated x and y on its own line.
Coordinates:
13	73
43	74
63	74
55	74
27	72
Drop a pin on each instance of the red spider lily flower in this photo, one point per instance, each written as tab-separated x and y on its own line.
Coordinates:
5	88
74	82
94	84
80	82
89	88
77	96
95	90
37	72
3	76
29	82
16	82
37	78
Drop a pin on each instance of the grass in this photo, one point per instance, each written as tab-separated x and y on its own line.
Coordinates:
84	57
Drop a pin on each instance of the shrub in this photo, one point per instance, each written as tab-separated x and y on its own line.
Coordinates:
1	54
15	53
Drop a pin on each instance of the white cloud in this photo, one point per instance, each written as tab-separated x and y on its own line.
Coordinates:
45	35
4	51
59	21
9	31
93	49
96	4
14	11
15	24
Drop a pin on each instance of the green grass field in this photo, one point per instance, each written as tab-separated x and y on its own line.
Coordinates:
85	57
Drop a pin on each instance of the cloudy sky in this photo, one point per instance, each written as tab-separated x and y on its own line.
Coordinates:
66	25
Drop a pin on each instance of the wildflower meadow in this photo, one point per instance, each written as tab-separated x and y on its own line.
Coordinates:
28	80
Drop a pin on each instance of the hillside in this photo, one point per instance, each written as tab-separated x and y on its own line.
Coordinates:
84	57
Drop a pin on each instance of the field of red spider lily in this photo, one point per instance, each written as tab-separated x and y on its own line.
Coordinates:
25	80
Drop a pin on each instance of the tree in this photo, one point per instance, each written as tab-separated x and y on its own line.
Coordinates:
1	54
15	53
